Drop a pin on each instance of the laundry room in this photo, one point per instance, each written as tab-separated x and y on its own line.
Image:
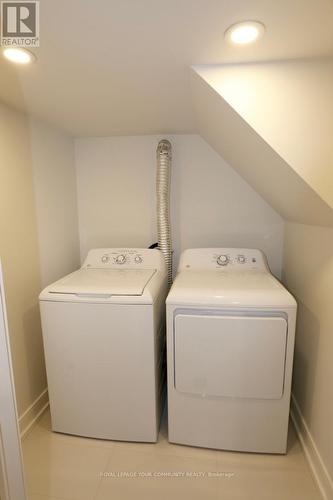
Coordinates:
166	249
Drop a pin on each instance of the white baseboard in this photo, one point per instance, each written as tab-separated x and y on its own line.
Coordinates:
31	414
316	463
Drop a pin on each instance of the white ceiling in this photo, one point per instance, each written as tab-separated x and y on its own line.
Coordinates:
121	67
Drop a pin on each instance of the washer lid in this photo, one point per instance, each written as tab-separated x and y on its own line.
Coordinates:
94	282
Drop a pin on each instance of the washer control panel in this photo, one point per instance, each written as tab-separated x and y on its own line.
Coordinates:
120	258
233	259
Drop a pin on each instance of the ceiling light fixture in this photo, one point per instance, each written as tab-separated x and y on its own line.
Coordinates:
245	32
18	55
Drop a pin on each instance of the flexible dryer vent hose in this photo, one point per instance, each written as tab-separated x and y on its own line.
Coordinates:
163	203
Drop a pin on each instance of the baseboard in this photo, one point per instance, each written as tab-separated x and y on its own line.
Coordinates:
316	463
31	414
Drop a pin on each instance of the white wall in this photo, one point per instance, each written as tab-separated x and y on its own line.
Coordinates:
290	105
56	202
20	256
211	204
245	131
308	273
38	239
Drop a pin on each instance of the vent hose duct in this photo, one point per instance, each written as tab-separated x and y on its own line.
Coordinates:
163	154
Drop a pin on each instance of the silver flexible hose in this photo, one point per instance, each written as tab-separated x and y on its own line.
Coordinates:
163	153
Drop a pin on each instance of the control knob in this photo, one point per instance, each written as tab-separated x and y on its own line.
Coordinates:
105	259
241	259
222	260
137	259
120	259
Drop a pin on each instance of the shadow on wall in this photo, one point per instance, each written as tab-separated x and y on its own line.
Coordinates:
307	341
19	242
33	341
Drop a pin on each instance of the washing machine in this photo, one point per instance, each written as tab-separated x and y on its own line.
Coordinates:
104	335
230	343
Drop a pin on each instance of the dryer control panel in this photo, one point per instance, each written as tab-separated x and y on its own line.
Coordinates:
228	259
124	258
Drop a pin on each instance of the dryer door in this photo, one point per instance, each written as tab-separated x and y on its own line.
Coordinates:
230	356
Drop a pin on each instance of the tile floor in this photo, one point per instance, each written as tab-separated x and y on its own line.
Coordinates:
60	467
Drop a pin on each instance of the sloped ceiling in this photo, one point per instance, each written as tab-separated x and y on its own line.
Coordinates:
121	67
272	123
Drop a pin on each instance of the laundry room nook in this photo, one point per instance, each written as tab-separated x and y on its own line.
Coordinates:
166	250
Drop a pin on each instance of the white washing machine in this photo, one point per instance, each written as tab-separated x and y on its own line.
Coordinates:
230	343
103	332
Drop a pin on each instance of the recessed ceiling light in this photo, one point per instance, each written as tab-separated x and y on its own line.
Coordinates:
244	32
19	56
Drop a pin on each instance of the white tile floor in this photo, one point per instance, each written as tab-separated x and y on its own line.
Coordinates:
60	467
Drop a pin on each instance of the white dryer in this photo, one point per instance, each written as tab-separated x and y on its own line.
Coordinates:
103	331
230	343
